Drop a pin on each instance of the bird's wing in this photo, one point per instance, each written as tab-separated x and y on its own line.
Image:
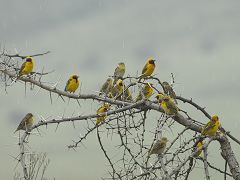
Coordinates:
162	144
171	105
172	93
22	67
208	126
23	123
144	68
116	72
110	86
158	145
100	110
68	82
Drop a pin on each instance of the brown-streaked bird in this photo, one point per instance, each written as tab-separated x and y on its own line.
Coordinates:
106	87
72	84
26	122
148	68
169	90
159	146
211	127
119	72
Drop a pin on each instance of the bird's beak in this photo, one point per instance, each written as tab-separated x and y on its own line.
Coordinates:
154	60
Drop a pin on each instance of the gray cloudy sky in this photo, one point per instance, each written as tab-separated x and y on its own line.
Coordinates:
196	40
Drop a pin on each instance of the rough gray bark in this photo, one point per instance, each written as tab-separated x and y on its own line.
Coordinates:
229	156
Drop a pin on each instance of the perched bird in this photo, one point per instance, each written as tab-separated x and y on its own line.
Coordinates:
127	95
119	72
104	108
160	97
26	67
148	68
147	92
199	145
26	123
169	106
159	146
106	87
211	127
72	84
117	89
169	90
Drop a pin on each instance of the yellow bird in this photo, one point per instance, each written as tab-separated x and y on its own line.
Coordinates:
106	87
118	88
104	108
169	106
148	68
199	145
169	90
211	127
119	72
72	84
26	123
159	146
147	92
26	67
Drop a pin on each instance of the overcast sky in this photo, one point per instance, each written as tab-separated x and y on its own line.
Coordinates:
196	40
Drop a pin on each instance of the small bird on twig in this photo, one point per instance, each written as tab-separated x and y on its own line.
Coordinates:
147	92
119	72
169	106
117	89
169	90
26	67
72	84
106	87
104	108
211	127
26	123
159	146
148	68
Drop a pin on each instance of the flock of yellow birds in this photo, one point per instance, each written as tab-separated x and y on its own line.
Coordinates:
114	88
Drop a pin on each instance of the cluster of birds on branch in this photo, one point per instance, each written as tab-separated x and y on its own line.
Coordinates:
115	88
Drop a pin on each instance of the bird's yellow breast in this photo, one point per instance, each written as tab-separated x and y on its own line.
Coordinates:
165	108
149	70
100	110
72	85
27	68
148	92
210	128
